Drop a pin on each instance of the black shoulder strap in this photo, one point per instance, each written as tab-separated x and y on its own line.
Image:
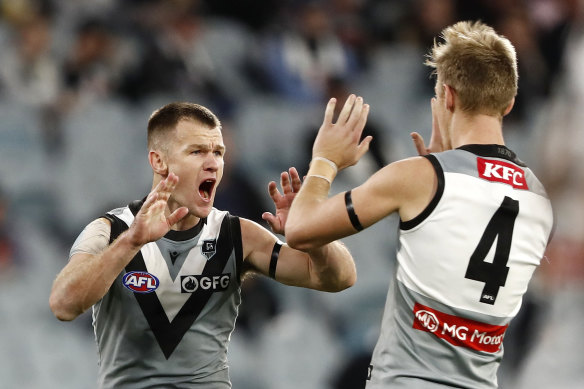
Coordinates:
408	225
117	226
237	243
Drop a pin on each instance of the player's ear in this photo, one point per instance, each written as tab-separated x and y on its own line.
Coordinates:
449	97
509	107
158	162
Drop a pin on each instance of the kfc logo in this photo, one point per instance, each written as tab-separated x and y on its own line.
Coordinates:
500	171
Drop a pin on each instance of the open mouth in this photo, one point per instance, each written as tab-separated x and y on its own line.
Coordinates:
206	188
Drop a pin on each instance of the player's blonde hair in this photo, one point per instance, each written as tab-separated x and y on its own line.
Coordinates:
479	64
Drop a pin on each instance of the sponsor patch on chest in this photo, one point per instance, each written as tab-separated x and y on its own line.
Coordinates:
140	281
459	331
215	283
500	171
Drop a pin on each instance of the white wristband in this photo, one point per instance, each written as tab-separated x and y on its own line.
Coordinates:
320	176
331	163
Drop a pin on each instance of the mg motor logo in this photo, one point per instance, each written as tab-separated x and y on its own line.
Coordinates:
500	171
140	282
427	320
459	331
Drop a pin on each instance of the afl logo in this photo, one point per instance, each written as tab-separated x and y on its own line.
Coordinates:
427	320
140	282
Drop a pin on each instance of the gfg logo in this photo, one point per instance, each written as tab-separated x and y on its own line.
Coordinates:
140	281
191	283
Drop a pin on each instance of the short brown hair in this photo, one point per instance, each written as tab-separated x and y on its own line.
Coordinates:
479	64
165	119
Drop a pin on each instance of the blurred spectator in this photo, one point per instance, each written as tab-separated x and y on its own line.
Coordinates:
561	159
514	22
255	14
425	21
175	58
29	72
560	281
299	59
96	62
552	20
237	192
351	26
378	149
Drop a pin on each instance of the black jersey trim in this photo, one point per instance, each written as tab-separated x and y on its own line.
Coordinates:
116	228
192	232
408	225
169	334
179	236
493	151
237	244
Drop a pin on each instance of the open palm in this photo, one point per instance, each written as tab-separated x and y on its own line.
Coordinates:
290	183
151	222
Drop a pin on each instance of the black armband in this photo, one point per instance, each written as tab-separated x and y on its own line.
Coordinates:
274	259
351	211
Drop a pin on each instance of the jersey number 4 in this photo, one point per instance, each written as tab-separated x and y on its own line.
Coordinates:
494	274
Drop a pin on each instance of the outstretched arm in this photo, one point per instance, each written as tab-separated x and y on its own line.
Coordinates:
87	277
327	268
315	219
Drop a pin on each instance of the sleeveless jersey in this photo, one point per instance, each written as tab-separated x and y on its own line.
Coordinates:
167	319
463	266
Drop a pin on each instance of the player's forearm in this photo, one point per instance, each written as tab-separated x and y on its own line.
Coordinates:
332	267
82	283
302	226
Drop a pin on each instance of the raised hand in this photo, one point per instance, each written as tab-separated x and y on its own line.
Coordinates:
435	145
151	222
339	142
290	183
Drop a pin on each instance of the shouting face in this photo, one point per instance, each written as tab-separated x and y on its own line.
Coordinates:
195	154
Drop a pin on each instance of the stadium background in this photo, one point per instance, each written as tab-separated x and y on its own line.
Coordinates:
78	81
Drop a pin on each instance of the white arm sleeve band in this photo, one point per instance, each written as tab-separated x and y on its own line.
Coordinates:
93	239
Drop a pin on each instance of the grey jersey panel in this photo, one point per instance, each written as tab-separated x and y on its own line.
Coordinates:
172	336
415	359
438	330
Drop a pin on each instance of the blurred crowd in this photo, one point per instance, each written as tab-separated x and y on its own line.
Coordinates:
79	79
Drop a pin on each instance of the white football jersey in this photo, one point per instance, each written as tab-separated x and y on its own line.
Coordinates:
464	265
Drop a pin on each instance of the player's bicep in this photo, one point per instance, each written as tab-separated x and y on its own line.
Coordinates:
404	186
378	197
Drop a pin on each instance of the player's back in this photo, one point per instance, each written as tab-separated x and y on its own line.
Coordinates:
464	265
